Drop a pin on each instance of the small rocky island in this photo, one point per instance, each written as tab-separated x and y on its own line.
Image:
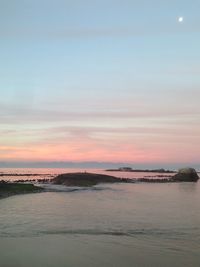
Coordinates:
91	179
186	175
86	179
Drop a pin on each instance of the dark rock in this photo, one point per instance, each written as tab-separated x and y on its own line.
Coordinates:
85	179
186	175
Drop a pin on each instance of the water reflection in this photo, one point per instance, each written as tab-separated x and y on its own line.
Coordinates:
188	187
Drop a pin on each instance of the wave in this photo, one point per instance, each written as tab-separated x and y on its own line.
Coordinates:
63	188
147	232
166	233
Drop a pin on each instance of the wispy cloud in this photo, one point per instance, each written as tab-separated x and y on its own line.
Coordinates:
12	114
133	144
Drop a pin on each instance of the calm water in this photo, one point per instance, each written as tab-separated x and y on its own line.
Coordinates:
116	225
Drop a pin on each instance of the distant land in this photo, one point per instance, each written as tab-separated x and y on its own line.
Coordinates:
129	169
94	165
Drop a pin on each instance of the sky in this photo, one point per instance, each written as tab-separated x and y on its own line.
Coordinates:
112	81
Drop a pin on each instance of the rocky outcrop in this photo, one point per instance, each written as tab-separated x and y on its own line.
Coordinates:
85	179
186	175
9	189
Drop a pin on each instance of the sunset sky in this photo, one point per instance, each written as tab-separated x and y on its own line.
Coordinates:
107	80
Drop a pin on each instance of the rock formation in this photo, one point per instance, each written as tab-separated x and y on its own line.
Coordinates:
186	175
85	179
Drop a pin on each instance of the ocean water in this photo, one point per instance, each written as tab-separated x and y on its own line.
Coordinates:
110	225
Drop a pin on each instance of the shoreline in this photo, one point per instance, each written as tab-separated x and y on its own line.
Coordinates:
11	189
86	179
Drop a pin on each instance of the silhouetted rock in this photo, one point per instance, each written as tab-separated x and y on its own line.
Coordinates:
186	175
85	179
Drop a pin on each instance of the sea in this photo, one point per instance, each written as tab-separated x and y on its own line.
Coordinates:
108	225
